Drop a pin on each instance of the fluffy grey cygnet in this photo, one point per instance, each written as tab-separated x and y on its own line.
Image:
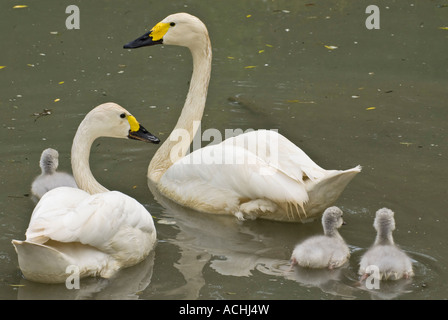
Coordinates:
50	178
392	262
327	251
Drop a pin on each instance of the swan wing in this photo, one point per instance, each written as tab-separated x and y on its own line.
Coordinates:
225	174
279	152
102	220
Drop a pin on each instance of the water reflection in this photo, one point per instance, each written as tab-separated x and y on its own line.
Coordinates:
127	284
238	249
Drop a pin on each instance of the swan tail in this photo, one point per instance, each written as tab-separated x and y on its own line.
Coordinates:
42	263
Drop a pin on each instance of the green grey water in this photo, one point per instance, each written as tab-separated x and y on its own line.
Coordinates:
345	94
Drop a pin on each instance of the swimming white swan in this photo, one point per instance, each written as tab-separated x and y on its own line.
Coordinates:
50	178
256	174
92	229
391	262
327	251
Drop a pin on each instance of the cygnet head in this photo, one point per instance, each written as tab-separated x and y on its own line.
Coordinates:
181	29
332	220
49	161
112	120
384	224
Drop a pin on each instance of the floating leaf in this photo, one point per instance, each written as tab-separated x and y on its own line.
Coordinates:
260	51
371	108
250	67
248	16
298	101
331	47
407	144
30	65
60	82
269	45
53	32
231	58
443	28
20	6
57	100
355	97
1	67
166	221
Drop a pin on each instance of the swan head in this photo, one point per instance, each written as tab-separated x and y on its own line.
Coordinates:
332	219
384	222
181	29
112	120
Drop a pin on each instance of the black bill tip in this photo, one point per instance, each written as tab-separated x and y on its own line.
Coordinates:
143	41
143	135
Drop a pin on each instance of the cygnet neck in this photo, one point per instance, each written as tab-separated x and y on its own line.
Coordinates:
384	236
48	165
330	230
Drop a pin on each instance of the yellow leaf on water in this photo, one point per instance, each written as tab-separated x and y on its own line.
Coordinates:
60	82
231	58
269	45
371	108
260	51
1	67
56	100
248	16
443	28
331	47
407	144
250	67
19	6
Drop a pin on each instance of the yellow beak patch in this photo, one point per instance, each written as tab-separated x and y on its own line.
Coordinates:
135	126
159	31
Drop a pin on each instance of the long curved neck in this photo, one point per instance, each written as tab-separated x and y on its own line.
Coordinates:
178	143
80	161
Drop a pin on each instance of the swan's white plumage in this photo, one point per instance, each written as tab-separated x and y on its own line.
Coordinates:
291	188
98	232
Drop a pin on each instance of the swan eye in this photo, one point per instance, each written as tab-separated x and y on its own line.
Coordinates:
122	115
172	24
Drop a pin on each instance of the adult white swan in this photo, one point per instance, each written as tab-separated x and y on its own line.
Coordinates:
94	230
256	174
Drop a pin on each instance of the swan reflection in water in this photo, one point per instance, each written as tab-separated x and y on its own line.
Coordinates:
127	284
234	248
